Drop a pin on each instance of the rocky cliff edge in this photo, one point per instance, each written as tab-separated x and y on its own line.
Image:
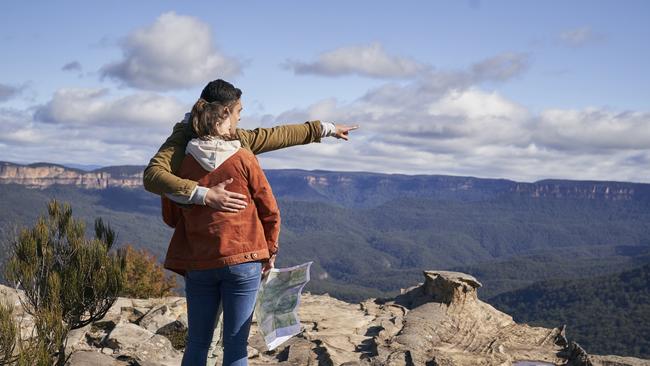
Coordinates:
439	322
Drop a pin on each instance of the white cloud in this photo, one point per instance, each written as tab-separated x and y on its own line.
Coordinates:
486	117
175	52
373	61
16	127
84	107
477	104
365	60
594	130
89	126
580	36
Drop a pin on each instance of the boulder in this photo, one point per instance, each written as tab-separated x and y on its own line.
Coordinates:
157	318
132	341
176	332
76	340
90	358
127	336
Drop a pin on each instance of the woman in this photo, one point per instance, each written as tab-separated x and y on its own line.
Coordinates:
222	254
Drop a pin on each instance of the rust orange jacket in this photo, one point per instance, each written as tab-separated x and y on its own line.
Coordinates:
205	238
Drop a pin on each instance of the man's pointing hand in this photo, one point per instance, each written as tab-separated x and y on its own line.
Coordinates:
342	131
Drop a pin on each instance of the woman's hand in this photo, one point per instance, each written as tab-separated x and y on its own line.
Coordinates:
223	200
268	265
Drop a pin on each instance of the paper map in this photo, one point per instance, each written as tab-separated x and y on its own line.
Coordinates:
276	309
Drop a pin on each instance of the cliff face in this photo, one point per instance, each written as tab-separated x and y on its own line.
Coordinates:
596	190
361	189
438	323
45	175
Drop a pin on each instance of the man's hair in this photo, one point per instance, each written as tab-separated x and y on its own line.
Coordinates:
220	91
209	110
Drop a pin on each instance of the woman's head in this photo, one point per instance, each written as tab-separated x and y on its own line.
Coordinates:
217	112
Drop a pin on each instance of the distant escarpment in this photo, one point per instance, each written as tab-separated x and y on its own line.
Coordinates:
351	189
43	175
439	322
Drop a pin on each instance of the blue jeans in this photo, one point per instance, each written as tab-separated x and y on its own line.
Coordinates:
236	287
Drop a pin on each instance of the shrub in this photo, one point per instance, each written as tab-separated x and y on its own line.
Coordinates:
145	277
68	279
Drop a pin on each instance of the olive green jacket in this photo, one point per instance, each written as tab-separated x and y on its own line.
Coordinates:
159	178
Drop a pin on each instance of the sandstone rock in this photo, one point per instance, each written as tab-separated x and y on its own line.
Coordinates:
127	336
157	349
300	353
339	337
43	176
76	340
116	309
131	341
122	311
446	321
441	322
90	358
176	332
12	297
157	318
617	361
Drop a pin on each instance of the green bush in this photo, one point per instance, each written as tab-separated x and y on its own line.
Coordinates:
68	279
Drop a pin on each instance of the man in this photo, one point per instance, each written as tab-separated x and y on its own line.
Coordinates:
159	175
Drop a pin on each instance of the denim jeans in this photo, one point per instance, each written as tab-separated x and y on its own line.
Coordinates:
236	287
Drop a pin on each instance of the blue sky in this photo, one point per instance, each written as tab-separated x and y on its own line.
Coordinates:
507	89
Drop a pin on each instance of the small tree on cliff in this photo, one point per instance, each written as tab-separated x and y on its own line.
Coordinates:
145	277
69	280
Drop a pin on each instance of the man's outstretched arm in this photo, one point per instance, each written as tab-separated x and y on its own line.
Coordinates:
261	140
159	178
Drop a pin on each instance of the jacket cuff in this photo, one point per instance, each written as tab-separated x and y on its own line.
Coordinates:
273	248
327	129
198	195
316	130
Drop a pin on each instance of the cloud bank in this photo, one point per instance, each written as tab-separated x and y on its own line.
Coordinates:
175	52
428	121
364	60
446	123
89	126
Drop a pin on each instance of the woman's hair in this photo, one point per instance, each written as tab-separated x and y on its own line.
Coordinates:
208	111
207	116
